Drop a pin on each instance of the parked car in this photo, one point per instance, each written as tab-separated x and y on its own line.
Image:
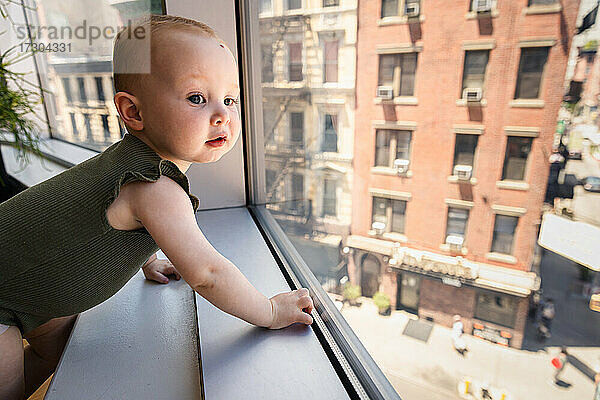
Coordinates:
591	184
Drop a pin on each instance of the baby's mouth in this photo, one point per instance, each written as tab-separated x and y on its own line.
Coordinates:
219	138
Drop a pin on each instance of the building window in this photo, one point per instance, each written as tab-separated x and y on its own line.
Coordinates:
531	68
82	95
99	88
496	308
67	86
329	197
391	145
267	62
295	62
456	224
504	232
515	159
398	71
475	2
266	6
297	129
464	150
331	61
392	8
297	196
331	3
391	212
105	126
330	136
88	126
74	124
474	69
294	4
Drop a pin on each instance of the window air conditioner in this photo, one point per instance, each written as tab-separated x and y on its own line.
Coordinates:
401	166
472	94
378	227
412	10
385	92
455	242
482	5
463	172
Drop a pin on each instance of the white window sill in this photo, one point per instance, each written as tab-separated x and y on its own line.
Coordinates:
527	103
513	185
390	171
543	9
400	20
465	103
446	247
395	236
505	258
494	13
454	179
399	100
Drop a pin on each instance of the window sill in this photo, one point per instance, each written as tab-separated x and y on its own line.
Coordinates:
400	100
527	103
512	185
400	20
465	103
446	247
543	9
394	236
505	258
390	171
454	179
494	13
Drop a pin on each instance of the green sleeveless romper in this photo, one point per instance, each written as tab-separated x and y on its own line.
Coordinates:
59	255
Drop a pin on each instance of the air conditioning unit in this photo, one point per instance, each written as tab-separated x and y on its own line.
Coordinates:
412	10
378	227
463	172
385	92
455	242
482	6
401	166
472	94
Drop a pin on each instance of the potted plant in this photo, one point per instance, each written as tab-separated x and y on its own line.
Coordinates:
351	293
382	301
18	97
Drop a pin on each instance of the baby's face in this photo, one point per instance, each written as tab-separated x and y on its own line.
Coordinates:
190	97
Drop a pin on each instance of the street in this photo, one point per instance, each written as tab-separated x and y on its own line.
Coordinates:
431	370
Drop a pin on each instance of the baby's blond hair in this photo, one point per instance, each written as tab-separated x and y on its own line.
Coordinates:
126	57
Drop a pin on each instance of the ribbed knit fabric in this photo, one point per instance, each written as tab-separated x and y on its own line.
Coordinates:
58	253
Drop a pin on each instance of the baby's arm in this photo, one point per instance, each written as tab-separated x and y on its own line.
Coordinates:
165	210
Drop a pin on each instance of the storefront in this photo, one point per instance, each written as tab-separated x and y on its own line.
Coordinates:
492	300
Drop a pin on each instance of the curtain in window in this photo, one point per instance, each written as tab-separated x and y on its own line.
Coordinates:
330	136
295	61
382	148
457	221
398	211
331	61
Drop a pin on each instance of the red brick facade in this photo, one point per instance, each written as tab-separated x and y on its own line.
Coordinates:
440	38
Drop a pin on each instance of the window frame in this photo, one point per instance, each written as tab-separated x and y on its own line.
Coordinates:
464	74
514	234
454	161
397	73
527	160
393	150
517	92
389	213
464	234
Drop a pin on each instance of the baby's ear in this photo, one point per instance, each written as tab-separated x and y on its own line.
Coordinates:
128	108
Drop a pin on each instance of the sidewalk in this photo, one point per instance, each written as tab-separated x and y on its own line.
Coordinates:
436	367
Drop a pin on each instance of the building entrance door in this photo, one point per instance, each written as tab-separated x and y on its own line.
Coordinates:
407	295
369	275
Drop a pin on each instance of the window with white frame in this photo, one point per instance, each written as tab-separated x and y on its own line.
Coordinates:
330	57
330	135
456	224
391	145
474	70
329	197
390	212
504	233
398	72
295	62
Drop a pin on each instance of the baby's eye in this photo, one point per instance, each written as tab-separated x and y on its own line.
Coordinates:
196	98
230	101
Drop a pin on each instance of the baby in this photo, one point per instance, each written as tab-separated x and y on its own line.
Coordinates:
71	242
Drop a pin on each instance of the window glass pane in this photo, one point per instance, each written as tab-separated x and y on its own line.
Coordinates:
475	66
515	161
536	2
531	68
266	6
504	231
267	62
464	150
457	221
79	74
389	8
331	3
496	308
364	187
294	4
382	148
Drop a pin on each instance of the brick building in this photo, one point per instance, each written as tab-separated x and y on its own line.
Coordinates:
455	114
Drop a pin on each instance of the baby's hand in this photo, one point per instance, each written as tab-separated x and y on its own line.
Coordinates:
157	270
294	306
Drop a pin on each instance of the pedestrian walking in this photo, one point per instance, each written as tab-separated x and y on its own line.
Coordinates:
457	341
548	312
559	362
